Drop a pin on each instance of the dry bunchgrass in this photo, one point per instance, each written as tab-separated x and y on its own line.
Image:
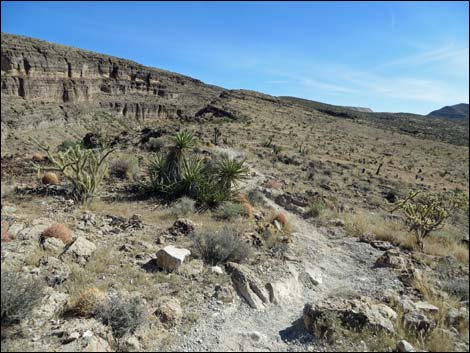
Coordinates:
393	231
59	231
50	178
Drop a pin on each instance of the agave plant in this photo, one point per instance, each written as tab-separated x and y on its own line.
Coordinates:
230	172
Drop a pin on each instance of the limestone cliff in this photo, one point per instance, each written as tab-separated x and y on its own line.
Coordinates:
55	79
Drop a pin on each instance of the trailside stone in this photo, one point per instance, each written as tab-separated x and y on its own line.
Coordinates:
80	250
404	346
170	258
321	318
248	286
169	311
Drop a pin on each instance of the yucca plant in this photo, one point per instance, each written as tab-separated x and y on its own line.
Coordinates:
182	142
230	172
192	176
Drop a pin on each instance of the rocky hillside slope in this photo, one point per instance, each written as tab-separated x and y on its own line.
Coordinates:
458	111
46	84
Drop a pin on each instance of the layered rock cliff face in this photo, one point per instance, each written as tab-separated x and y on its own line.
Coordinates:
59	79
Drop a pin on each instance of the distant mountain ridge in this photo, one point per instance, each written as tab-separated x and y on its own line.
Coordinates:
458	111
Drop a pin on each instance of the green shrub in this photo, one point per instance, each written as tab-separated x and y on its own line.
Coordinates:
220	246
228	211
184	207
123	315
315	209
20	293
155	144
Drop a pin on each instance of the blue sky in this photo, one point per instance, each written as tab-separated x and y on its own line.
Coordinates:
389	56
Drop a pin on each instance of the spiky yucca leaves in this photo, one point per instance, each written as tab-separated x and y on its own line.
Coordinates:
192	177
182	142
427	212
230	172
85	169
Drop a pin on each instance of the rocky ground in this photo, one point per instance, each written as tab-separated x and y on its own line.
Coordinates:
268	304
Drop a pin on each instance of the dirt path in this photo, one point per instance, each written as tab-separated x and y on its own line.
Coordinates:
341	265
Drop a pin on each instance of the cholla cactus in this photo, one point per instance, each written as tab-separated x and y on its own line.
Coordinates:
427	212
84	168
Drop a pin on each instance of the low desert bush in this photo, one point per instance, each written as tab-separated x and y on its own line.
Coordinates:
123	315
315	209
50	178
256	197
123	168
229	210
20	294
183	207
59	231
87	301
155	144
220	246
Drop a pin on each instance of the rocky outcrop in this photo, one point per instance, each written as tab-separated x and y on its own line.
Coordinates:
70	81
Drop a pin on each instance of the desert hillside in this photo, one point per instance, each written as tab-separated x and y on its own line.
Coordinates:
144	210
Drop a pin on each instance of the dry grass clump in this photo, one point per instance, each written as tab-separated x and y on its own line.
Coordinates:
447	242
394	231
87	301
59	231
50	178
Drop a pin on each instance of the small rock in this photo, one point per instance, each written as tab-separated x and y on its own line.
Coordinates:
337	222
53	245
80	250
248	286
418	322
426	307
311	276
224	293
404	346
182	226
169	312
392	259
170	258
217	269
